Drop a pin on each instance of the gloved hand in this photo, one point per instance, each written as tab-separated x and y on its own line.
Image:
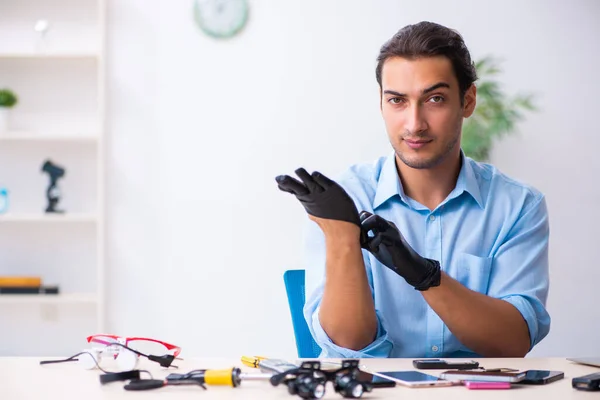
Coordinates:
320	196
392	250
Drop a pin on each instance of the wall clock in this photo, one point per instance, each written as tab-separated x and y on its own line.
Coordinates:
221	18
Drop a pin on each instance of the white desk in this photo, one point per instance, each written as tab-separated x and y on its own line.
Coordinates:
24	378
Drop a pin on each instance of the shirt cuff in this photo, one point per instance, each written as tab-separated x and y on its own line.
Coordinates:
380	347
534	313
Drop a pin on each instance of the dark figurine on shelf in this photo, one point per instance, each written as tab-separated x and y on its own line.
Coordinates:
53	191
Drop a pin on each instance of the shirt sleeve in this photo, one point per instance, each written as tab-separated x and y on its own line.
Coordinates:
520	269
315	281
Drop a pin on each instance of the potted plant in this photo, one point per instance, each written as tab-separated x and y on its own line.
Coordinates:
495	115
7	100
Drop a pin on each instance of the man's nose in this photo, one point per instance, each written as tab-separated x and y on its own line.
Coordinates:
416	121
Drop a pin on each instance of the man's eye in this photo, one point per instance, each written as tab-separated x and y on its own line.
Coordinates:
436	99
395	100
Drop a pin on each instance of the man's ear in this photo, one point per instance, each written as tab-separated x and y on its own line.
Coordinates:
380	99
470	101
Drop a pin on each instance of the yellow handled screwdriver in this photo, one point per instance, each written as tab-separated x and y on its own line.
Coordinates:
272	365
252	361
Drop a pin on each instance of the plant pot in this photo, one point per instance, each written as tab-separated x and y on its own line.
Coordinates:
4	114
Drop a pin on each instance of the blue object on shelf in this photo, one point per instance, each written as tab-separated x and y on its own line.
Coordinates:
295	288
3	200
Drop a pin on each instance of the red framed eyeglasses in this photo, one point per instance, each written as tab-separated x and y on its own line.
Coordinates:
142	344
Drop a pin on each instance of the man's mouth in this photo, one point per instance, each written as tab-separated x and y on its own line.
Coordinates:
416	144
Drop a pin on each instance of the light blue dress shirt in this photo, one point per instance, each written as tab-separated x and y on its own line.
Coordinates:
490	234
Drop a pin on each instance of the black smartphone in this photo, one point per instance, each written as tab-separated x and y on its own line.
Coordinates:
541	377
376	381
436	363
587	382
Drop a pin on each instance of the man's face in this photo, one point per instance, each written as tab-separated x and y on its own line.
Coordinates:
421	107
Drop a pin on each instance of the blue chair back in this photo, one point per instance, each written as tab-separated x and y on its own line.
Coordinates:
295	288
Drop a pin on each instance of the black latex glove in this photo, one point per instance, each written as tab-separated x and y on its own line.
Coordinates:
389	246
320	196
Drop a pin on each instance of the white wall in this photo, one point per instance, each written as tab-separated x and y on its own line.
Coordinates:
199	235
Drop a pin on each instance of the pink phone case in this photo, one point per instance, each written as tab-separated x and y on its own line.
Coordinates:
487	385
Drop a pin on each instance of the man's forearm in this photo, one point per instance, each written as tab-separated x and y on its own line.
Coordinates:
488	326
347	311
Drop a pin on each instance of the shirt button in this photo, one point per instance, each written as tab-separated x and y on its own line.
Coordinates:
432	217
434	348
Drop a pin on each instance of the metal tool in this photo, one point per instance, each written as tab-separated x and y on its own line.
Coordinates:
224	377
272	365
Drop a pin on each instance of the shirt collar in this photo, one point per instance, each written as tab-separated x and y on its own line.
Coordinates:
389	185
467	181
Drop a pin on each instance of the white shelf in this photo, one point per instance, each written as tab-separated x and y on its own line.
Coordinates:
55	55
83	298
42	217
28	137
70	129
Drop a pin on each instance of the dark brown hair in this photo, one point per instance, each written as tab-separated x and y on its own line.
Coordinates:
428	39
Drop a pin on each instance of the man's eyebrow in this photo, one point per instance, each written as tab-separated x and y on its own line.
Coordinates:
425	91
436	86
394	93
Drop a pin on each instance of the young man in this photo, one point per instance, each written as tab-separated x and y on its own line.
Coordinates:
470	240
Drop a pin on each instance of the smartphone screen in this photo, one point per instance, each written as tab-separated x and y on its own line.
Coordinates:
539	377
376	381
410	376
415	379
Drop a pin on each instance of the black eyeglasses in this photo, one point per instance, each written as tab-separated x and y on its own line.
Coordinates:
309	380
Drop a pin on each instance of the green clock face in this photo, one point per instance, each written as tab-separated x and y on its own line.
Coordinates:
221	18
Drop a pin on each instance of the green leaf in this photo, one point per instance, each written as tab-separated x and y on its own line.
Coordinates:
496	114
7	98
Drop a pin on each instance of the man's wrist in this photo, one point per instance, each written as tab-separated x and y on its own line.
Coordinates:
342	240
335	230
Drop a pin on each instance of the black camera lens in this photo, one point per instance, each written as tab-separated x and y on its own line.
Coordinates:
308	387
318	391
354	390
